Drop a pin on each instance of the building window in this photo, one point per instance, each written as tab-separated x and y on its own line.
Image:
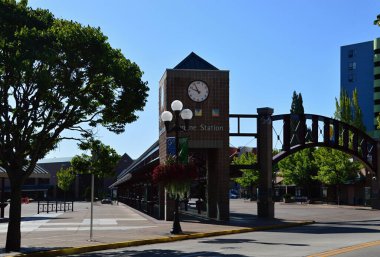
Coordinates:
351	77
351	53
352	65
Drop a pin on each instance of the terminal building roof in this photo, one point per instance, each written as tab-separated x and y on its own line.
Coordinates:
38	172
149	158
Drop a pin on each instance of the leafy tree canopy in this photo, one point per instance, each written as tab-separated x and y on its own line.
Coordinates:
58	75
65	178
55	76
348	110
249	176
101	162
334	167
298	168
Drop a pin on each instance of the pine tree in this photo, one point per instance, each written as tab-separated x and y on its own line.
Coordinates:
296	108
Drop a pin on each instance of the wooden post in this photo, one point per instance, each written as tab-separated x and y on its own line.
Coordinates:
265	204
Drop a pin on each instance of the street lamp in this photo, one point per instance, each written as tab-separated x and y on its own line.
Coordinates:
167	117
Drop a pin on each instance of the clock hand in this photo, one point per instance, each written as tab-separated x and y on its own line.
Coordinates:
196	89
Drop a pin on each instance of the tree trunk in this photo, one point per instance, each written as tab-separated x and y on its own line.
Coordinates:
13	242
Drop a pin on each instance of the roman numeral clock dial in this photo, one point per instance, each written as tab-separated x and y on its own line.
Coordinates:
198	91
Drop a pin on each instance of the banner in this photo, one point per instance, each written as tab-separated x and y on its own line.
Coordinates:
170	146
183	148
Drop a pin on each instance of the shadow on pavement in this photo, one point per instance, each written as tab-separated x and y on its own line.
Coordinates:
327	228
236	220
237	241
26	250
160	253
41	218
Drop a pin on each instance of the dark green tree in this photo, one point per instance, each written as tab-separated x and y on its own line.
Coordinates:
55	76
296	108
65	178
101	162
377	21
297	104
299	169
335	168
250	177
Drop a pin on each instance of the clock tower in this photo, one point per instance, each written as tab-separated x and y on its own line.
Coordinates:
203	89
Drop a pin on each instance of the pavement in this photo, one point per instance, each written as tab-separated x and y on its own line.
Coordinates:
118	225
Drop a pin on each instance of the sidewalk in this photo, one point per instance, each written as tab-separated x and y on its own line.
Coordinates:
119	226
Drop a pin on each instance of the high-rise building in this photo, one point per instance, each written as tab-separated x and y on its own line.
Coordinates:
357	71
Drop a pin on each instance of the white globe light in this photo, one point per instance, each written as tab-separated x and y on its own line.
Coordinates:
177	105
186	114
166	116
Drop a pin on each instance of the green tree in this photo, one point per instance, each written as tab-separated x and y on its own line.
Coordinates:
377	21
65	178
250	177
335	168
298	169
102	161
348	110
56	76
295	108
297	104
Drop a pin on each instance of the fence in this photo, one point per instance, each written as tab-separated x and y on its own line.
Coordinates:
55	206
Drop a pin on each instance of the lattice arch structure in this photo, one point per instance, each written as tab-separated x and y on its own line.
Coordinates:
297	132
309	130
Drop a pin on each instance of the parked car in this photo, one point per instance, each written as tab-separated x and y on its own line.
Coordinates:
233	196
106	201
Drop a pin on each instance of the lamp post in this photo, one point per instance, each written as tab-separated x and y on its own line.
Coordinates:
167	117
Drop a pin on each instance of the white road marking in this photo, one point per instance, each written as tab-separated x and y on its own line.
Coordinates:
94	228
40	222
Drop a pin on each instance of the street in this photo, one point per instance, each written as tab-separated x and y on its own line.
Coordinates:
337	227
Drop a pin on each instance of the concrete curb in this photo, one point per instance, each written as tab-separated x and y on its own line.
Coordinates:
108	246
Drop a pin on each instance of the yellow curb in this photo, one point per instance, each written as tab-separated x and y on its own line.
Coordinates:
100	247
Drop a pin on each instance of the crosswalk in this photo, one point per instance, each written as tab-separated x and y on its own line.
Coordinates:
45	222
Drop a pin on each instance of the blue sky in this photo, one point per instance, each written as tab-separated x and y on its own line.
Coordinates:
271	48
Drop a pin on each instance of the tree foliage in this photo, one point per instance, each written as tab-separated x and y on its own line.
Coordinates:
55	76
65	178
101	162
250	177
335	167
377	21
295	108
298	168
348	110
297	104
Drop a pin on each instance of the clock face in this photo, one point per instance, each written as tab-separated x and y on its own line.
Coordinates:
198	91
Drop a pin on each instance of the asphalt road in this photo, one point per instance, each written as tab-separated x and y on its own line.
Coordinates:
298	241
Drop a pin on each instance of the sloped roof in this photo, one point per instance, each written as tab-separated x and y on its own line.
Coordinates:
194	62
124	163
55	160
150	156
38	172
